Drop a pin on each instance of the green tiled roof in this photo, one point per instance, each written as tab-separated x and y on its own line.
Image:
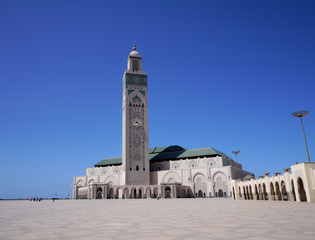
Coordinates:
109	161
166	149
168	153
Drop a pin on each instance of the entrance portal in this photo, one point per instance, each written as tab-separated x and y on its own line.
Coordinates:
168	192
220	193
99	193
200	194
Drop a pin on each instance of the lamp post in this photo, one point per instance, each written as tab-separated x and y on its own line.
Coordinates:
301	114
238	171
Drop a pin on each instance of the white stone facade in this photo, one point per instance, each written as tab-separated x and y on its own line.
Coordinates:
135	142
297	185
197	177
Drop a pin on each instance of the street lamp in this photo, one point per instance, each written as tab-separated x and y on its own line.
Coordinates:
238	171
301	114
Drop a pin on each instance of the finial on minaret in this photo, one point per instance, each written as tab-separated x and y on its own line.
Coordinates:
134	46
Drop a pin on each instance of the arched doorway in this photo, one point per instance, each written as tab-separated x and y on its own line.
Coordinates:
200	184
220	193
265	197
155	192
301	189
99	192
140	193
133	193
272	192
278	193
111	193
168	192
284	191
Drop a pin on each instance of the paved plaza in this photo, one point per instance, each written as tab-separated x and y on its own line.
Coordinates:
156	219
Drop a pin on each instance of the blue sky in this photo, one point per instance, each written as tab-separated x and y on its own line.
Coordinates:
222	74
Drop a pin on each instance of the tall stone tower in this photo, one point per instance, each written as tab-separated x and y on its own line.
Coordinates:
135	149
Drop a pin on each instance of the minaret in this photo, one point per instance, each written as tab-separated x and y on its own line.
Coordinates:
135	149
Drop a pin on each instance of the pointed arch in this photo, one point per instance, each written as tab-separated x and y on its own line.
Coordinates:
284	191
136	99
155	192
99	193
141	193
250	193
200	184
265	196
111	179
278	193
272	192
219	180
301	190
171	175
80	183
91	181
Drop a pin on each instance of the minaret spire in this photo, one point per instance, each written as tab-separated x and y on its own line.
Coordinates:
135	143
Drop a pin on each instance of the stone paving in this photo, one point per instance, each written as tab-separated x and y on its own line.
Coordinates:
156	219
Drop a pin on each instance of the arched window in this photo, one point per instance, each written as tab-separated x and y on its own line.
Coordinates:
135	65
130	168
137	168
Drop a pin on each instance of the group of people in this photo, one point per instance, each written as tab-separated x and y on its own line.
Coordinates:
36	199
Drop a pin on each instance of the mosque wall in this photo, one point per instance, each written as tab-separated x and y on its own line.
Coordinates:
198	177
297	185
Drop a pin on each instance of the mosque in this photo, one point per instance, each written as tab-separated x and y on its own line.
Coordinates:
159	172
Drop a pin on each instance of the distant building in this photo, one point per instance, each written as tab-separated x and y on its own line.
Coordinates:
167	172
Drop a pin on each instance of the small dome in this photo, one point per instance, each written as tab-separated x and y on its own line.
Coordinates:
134	54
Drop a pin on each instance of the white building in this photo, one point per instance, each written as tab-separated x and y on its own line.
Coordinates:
171	171
297	185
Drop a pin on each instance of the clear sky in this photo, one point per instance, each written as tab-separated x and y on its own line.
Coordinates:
221	74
